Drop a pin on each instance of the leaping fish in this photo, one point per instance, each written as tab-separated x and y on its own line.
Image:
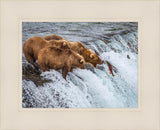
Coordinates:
110	68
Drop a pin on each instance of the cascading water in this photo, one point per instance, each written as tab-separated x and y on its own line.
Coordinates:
116	43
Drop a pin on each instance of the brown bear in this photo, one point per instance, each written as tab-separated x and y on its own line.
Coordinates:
56	58
78	47
33	45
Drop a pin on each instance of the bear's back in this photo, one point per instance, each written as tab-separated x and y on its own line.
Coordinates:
53	37
62	44
55	51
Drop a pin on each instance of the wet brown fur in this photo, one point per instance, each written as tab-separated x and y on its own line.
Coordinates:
78	47
51	37
59	43
33	45
56	58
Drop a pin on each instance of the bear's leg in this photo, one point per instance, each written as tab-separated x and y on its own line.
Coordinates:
71	70
30	59
43	67
64	72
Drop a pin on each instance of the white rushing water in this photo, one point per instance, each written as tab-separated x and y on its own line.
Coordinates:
116	43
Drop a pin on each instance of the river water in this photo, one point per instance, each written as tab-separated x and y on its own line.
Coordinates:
114	42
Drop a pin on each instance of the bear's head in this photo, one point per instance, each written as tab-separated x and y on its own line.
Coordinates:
92	58
79	61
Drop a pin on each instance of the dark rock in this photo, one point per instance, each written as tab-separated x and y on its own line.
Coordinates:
29	73
128	56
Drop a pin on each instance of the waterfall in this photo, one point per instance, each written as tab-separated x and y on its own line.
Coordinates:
115	42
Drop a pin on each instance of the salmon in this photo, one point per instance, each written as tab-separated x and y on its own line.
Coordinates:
110	68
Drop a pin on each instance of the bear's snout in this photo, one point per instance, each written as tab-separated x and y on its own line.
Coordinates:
100	61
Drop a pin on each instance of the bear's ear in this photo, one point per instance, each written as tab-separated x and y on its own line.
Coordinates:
90	50
81	61
64	43
91	56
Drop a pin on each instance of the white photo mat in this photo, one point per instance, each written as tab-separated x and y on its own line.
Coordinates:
13	13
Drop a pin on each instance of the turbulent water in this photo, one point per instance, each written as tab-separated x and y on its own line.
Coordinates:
116	43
